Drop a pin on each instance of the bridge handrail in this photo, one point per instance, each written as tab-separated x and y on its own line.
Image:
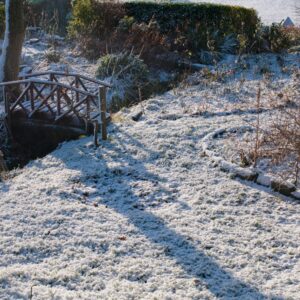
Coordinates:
47	82
37	74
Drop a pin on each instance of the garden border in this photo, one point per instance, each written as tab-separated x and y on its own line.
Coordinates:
249	174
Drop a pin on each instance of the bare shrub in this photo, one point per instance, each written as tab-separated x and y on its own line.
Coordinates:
146	38
277	138
283	139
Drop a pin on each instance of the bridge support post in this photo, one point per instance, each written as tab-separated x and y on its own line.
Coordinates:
102	108
7	110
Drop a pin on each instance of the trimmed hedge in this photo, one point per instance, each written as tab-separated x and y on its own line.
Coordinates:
91	17
226	19
187	21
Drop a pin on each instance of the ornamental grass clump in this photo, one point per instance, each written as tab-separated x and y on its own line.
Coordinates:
129	76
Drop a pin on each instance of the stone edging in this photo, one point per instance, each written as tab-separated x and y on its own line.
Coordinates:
250	174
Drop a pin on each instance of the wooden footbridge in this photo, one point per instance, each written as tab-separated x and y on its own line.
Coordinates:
57	100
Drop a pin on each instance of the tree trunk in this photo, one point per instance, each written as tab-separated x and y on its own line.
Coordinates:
13	41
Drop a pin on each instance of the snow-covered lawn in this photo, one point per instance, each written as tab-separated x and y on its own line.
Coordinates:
146	216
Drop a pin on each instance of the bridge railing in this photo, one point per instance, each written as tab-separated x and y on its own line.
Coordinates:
32	96
77	80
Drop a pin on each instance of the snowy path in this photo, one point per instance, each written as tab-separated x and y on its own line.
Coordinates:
145	216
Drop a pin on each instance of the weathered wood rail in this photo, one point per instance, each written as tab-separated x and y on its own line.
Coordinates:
57	99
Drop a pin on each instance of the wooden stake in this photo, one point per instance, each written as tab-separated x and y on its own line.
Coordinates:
7	110
58	101
31	96
77	87
3	167
102	107
96	129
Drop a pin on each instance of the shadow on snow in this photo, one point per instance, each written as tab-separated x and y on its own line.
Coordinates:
193	261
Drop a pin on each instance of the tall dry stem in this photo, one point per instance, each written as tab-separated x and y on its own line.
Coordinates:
257	128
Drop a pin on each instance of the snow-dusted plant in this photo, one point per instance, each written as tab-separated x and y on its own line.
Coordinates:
229	44
217	45
52	56
283	138
275	142
128	74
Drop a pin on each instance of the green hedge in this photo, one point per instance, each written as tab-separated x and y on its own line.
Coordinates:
91	17
191	23
226	19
